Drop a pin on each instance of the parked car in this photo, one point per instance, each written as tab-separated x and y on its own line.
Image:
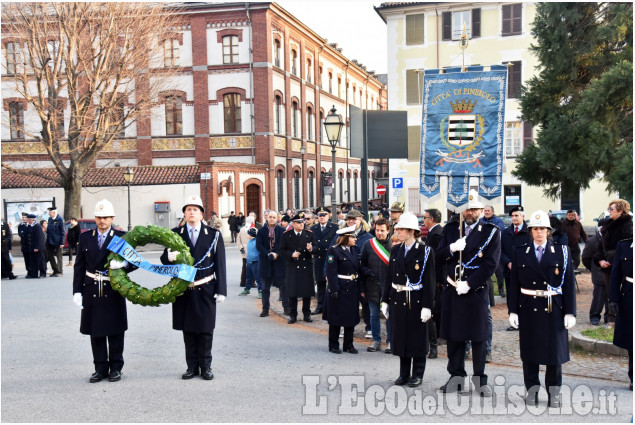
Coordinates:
424	229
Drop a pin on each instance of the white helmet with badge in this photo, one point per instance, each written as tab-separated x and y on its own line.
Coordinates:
104	208
473	201
539	219
194	200
408	221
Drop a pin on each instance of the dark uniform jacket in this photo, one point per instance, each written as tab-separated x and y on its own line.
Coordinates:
621	292
104	309
299	270
36	239
543	337
7	237
321	244
56	233
464	317
23	229
195	310
409	334
374	271
510	240
73	235
343	311
590	248
268	267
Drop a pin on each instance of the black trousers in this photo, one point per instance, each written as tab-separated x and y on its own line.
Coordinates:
575	256
500	280
107	353
321	289
198	349
432	335
334	334
630	365
456	359
243	273
29	258
416	364
599	302
293	307
266	292
365	313
7	268
54	256
553	378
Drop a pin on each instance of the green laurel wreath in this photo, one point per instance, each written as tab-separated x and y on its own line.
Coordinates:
139	236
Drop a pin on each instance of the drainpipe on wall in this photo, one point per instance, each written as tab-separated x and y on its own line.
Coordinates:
251	85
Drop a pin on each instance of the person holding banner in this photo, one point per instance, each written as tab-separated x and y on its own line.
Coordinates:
104	315
194	312
471	260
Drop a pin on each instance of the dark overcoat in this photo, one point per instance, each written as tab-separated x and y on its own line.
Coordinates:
23	229
56	233
374	270
195	310
104	309
543	337
464	317
409	334
299	272
510	240
622	293
343	311
270	268
36	239
321	244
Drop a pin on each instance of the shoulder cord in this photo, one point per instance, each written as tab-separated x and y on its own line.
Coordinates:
207	253
565	254
467	265
425	261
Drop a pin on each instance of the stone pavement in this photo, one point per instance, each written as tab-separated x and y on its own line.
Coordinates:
505	346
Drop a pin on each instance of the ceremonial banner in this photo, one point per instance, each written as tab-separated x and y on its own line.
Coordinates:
462	132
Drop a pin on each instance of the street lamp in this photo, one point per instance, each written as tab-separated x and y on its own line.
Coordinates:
128	176
333	125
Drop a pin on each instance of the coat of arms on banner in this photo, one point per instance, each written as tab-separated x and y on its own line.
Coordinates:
461	133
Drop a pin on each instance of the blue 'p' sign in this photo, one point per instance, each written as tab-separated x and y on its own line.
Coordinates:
397	183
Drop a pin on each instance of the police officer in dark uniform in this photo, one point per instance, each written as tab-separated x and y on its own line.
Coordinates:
36	243
323	233
465	298
24	231
408	299
514	235
621	300
341	305
7	239
542	306
104	315
296	247
194	312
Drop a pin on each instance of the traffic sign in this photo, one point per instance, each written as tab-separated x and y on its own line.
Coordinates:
397	183
381	189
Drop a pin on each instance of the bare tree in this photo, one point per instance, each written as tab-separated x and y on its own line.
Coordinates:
100	64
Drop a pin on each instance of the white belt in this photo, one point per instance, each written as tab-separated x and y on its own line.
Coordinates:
628	279
400	288
98	276
202	281
347	277
538	293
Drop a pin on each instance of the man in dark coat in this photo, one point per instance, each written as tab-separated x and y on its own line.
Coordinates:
542	305
272	266
73	237
323	233
621	300
194	312
104	315
233	229
7	239
56	235
466	300
37	247
432	220
24	231
600	300
296	247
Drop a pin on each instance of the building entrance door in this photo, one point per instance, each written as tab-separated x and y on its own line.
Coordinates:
253	201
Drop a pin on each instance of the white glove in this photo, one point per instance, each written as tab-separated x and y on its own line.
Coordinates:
77	299
426	314
569	321
114	264
462	287
459	245
513	320
219	298
384	309
172	255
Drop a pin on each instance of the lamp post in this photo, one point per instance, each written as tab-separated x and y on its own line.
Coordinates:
128	176
333	125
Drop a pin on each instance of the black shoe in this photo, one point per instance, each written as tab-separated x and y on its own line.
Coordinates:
207	374
531	400
433	354
286	312
511	328
484	391
264	313
630	387
190	373
351	350
402	380
595	321
555	401
12	277
316	311
503	295
114	376
30	277
53	275
414	382
96	377
454	384
308	319
292	320
44	276
335	350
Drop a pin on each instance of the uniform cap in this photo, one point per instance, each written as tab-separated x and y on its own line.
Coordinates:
517	208
298	217
52	208
31	216
322	210
473	201
194	200
539	219
104	208
397	207
347	231
408	221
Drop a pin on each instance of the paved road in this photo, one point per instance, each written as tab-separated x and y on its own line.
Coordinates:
259	365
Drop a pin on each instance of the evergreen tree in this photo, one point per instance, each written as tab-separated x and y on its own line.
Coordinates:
582	98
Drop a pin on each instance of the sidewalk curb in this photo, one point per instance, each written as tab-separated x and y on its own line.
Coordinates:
596	346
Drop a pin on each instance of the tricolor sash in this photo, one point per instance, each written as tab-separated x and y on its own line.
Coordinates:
379	249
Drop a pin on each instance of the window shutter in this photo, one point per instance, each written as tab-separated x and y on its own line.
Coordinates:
447	26
507	15
517	18
528	134
476	23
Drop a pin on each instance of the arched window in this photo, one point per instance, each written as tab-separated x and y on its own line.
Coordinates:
348	186
280	181
294	62
231	108
322	184
16	120
276	53
173	116
296	189
311	189
230	49
322	127
309	71
278	116
355	185
339	87
320	77
294	119
309	123
331	82
340	177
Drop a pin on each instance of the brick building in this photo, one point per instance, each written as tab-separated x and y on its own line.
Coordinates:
247	106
